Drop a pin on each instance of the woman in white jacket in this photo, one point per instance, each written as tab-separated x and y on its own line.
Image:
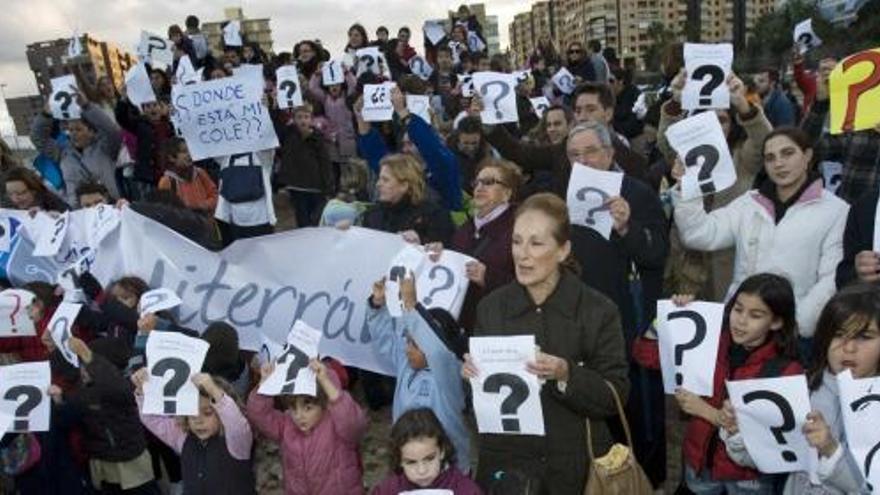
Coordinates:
790	225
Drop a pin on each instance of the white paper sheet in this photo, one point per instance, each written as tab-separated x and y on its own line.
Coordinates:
52	232
155	50
292	374
689	338
288	85
540	104
157	300
564	80
377	102
172	360
588	190
24	395
419	105
498	93
62	101
699	142
707	66
860	408
15	320
332	73
804	36
138	86
61	329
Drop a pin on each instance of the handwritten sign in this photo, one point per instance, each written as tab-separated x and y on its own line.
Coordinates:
332	73
15	318
804	36
564	81
52	232
540	104
434	31
224	116
860	408
155	50
377	102
855	93
157	300
371	59
496	89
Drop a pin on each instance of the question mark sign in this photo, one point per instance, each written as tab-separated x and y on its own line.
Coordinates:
369	61
787	418
699	336
34	396
289	87
155	42
519	392
505	89
300	361
67	101
806	40
710	158
150	301
869	459
565	82
582	196
450	278
14	311
855	91
716	78
65	335
180	372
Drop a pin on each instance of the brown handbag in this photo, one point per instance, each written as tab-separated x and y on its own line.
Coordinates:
617	472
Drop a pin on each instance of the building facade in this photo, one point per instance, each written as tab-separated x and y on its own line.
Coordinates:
48	59
22	110
489	23
253	30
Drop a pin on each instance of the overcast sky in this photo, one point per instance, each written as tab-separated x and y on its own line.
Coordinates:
27	21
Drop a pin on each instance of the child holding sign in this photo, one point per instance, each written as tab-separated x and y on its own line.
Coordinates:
215	446
319	436
847	338
758	340
423	458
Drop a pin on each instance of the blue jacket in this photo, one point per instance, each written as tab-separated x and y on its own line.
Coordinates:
441	164
778	109
437	387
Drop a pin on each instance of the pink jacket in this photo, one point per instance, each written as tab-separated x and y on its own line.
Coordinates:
337	111
323	461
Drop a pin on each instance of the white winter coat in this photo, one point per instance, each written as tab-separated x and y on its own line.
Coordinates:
805	246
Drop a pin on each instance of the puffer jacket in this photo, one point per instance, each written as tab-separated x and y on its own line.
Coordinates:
323	461
805	246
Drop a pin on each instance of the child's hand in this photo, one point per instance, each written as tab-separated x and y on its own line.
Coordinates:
56	394
138	378
469	369
319	368
378	295
476	272
408	291
323	379
411	236
147	323
678	170
682	299
265	371
206	383
819	434
80	349
727	418
690	403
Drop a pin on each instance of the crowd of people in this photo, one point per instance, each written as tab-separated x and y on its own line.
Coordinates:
793	262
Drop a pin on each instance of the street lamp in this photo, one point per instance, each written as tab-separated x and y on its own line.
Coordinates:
14	130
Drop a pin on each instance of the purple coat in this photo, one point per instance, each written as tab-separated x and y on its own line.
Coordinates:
337	112
323	461
451	479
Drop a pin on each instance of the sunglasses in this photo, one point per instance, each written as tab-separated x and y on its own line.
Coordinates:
491	181
575	52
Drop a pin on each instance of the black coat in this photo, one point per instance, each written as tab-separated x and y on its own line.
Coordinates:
625	120
431	222
606	264
582	326
857	237
149	163
305	162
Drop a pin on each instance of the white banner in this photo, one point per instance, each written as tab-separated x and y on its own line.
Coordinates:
224	116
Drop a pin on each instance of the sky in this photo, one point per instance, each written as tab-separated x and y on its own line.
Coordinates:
120	21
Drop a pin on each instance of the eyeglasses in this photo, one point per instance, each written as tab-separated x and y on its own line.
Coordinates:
575	52
491	181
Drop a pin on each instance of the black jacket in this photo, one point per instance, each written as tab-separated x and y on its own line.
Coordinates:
857	237
305	162
430	221
107	406
625	120
149	164
209	469
606	264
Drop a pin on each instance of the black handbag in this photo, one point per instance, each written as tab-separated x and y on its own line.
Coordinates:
242	183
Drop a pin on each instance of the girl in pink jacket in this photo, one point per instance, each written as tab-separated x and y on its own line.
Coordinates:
337	111
319	436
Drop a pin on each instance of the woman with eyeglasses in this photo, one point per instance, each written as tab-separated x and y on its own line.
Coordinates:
579	63
487	235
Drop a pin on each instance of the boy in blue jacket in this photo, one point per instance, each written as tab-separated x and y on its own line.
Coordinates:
424	347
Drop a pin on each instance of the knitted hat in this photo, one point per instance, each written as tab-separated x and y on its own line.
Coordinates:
113	349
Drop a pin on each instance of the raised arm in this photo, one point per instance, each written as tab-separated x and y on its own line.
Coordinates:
707	231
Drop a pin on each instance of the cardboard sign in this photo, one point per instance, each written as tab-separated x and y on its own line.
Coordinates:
707	66
855	93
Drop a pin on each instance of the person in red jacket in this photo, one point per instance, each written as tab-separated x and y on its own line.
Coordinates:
758	340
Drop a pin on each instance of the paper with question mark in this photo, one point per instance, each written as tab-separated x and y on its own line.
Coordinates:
332	73
467	85
289	93
688	339
860	408
832	173
457	49
497	91
419	105
700	144
101	220
15	319
138	86
172	359
74	46
475	43
5	233
405	263
707	66
186	73
62	101
51	233
24	395
269	350
588	190
232	34
507	398
855	93
5	423
61	329
564	80
771	413
157	300
443	284
434	31
292	374
804	36
371	59
540	104
420	67
377	102
155	50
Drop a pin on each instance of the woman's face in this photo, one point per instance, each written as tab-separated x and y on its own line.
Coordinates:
421	460
305	53
536	254
20	196
859	353
207	423
490	190
124	296
157	81
391	190
355	38
786	163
